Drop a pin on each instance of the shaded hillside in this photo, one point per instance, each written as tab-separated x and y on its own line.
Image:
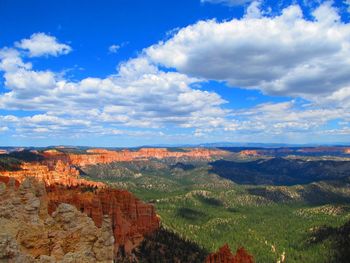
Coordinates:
339	237
280	171
9	164
166	246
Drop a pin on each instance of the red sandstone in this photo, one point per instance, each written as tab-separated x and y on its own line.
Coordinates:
95	156
58	173
131	218
224	255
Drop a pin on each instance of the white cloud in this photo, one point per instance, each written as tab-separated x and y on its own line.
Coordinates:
4	129
114	48
40	44
283	55
253	10
227	2
139	95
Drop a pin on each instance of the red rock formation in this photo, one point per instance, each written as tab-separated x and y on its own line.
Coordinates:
29	234
95	156
6	180
52	173
59	167
224	255
131	219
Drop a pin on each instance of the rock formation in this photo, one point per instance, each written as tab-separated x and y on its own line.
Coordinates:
30	234
224	255
96	156
53	173
58	167
131	219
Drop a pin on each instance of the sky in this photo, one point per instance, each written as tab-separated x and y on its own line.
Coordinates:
148	72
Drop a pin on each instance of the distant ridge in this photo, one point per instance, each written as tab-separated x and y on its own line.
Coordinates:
204	145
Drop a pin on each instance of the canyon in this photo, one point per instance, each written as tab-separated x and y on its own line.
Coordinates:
96	156
51	213
54	166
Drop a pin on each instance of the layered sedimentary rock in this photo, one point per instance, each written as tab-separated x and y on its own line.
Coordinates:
96	156
57	167
30	234
224	255
131	219
55	173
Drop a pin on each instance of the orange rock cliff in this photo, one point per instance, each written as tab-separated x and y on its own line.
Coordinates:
95	156
59	173
60	167
29	234
59	215
130	218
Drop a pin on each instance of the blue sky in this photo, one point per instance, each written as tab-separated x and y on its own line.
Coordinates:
126	73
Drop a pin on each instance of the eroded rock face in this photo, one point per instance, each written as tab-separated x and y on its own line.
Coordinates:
58	167
96	156
30	234
51	173
224	255
130	218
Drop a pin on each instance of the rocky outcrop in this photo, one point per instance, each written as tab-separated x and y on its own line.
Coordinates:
224	255
131	219
58	167
53	173
30	234
96	156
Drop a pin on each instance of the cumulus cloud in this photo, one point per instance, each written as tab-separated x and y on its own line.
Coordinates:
253	10
138	95
286	55
40	44
282	55
275	118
